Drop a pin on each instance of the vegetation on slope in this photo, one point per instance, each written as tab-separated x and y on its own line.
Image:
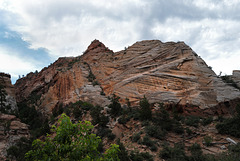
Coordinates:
152	132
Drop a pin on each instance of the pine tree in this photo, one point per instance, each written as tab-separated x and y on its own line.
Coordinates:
145	110
115	106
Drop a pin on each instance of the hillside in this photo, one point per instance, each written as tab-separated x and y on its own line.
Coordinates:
155	100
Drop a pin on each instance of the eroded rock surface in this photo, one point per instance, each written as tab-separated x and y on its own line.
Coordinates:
11	130
10	103
163	72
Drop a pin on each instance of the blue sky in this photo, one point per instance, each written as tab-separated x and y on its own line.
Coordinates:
34	34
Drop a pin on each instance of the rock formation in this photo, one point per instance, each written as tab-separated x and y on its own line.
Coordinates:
11	130
5	82
163	72
236	77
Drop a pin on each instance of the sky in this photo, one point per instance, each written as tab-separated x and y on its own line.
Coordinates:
35	33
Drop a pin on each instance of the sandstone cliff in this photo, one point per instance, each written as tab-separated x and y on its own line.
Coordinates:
11	130
163	72
5	81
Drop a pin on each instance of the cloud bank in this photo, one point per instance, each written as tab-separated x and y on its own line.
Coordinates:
66	27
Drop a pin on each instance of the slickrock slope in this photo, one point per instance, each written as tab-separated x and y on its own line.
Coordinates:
11	130
163	72
5	81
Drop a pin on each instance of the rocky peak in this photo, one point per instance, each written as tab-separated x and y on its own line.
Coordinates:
97	46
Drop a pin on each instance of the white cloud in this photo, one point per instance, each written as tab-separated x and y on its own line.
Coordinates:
66	28
14	65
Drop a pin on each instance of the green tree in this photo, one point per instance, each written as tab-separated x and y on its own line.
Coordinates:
196	153
72	142
3	95
98	117
123	154
115	106
145	110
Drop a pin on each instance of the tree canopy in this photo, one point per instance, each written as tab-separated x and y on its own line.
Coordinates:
71	142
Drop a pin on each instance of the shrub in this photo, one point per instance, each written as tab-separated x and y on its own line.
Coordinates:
196	152
57	110
95	83
178	128
135	114
123	120
155	131
147	141
18	151
188	131
145	123
192	121
86	106
115	106
208	140
234	148
91	77
67	111
206	121
105	132
229	126
77	112
102	93
162	119
136	156
111	136
150	143
153	148
98	117
176	153
136	137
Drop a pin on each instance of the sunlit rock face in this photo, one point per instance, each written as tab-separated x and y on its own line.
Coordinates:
163	72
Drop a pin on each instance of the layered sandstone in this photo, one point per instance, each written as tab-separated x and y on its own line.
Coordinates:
163	72
11	130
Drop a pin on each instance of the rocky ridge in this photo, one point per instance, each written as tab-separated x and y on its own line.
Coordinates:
164	72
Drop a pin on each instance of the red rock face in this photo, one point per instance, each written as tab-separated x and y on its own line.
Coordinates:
163	72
